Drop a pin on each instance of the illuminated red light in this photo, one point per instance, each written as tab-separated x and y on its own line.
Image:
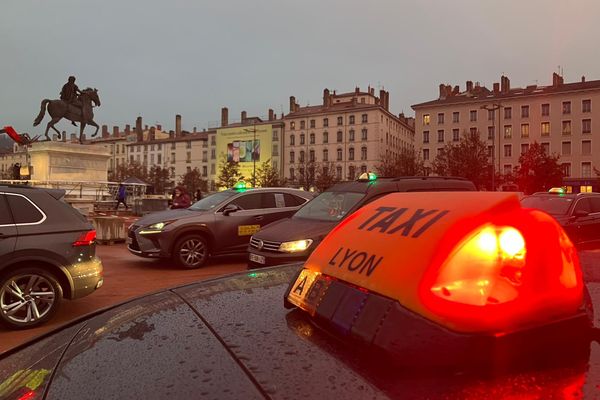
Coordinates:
86	238
28	396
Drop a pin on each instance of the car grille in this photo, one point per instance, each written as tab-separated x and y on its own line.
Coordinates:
134	243
266	245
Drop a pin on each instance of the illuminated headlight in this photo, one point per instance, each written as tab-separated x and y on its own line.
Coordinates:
154	228
295	246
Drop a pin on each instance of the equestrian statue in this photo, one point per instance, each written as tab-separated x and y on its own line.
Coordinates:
74	105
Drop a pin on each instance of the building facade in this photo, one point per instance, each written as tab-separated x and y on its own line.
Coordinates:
559	116
349	133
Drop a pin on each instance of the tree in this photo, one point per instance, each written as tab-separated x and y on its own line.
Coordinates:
267	176
229	173
538	171
192	181
326	176
407	162
306	175
128	170
468	159
160	179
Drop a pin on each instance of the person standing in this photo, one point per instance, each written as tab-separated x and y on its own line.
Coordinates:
181	199
198	195
121	196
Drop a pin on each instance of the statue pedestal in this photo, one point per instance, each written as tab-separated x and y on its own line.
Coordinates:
60	161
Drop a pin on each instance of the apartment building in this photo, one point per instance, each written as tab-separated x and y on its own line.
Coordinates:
560	116
349	132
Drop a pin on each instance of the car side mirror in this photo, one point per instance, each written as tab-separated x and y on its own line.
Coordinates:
229	208
581	213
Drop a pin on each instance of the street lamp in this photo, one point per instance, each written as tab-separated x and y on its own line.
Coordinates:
493	107
253	130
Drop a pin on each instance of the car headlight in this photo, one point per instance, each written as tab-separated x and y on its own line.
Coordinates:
295	246
155	228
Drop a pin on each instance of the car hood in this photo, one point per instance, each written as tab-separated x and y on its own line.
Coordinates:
296	229
168	215
232	338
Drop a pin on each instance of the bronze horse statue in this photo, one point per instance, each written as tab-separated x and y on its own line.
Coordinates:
59	109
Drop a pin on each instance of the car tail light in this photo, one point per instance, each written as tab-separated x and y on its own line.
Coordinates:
86	238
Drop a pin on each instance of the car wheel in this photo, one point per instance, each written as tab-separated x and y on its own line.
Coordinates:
28	297
191	251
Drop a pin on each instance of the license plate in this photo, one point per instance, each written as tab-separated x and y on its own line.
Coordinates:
129	240
308	289
257	259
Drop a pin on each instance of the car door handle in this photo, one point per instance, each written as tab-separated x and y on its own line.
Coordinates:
259	218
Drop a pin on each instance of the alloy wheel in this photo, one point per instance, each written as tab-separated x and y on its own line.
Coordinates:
27	298
192	252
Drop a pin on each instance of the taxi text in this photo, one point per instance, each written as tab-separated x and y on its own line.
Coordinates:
355	261
392	220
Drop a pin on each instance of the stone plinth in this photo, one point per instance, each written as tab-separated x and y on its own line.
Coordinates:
58	161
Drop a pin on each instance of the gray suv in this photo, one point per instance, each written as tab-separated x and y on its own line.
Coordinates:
219	224
47	252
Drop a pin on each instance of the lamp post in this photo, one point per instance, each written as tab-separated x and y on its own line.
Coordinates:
253	130
493	107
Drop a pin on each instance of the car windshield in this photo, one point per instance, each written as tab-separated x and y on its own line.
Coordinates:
553	205
210	202
329	206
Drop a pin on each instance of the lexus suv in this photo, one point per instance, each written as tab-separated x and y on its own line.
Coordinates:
47	253
293	239
219	224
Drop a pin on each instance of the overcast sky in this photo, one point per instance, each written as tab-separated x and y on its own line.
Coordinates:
192	57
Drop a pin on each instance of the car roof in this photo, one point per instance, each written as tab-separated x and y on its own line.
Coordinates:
22	189
403	183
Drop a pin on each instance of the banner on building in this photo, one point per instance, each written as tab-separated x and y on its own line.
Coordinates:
248	145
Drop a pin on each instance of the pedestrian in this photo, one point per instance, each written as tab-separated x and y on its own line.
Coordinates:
181	199
198	196
121	196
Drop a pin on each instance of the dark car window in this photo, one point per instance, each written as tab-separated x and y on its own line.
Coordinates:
5	216
293	201
210	202
254	201
583	205
24	212
329	206
553	205
595	202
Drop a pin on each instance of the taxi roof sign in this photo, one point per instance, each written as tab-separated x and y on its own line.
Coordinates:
453	257
367	176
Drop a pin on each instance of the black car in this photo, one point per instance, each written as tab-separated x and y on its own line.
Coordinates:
294	239
47	252
219	224
579	214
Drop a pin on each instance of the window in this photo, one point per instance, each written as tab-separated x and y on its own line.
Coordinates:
188	145
491	133
566	148
507	150
546	147
204	170
172	158
440	136
311	156
255	201
455	117
23	210
338	172
325	155
351	120
473	131
292	157
302	139
586	170
524	111
292	140
455	135
339	154
566	107
151	159
340	120
158	159
213	154
173	146
566	169
292	201
586	126
588	189
491	115
524	148
426	154
351	154
5	217
117	150
440	118
188	169
293	125
507	112
566	128
204	156
586	147
146	147
312	123
545	128
325	122
188	158
351	173
365	118
340	136
363	153
301	158
490	151
292	174
507	169
351	135
302	124
507	131
473	115
312	138
426	119
545	110
426	137
363	134
325	137
586	106
524	130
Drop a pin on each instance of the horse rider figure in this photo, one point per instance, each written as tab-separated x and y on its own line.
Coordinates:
70	93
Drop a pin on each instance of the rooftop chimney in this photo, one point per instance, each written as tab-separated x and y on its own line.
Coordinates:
138	129
504	84
152	133
469	86
292	104
127	129
271	115
224	116
244	117
582	78
557	79
177	125
382	97
443	93
115	131
496	87
158	127
195	130
326	97
104	131
357	90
